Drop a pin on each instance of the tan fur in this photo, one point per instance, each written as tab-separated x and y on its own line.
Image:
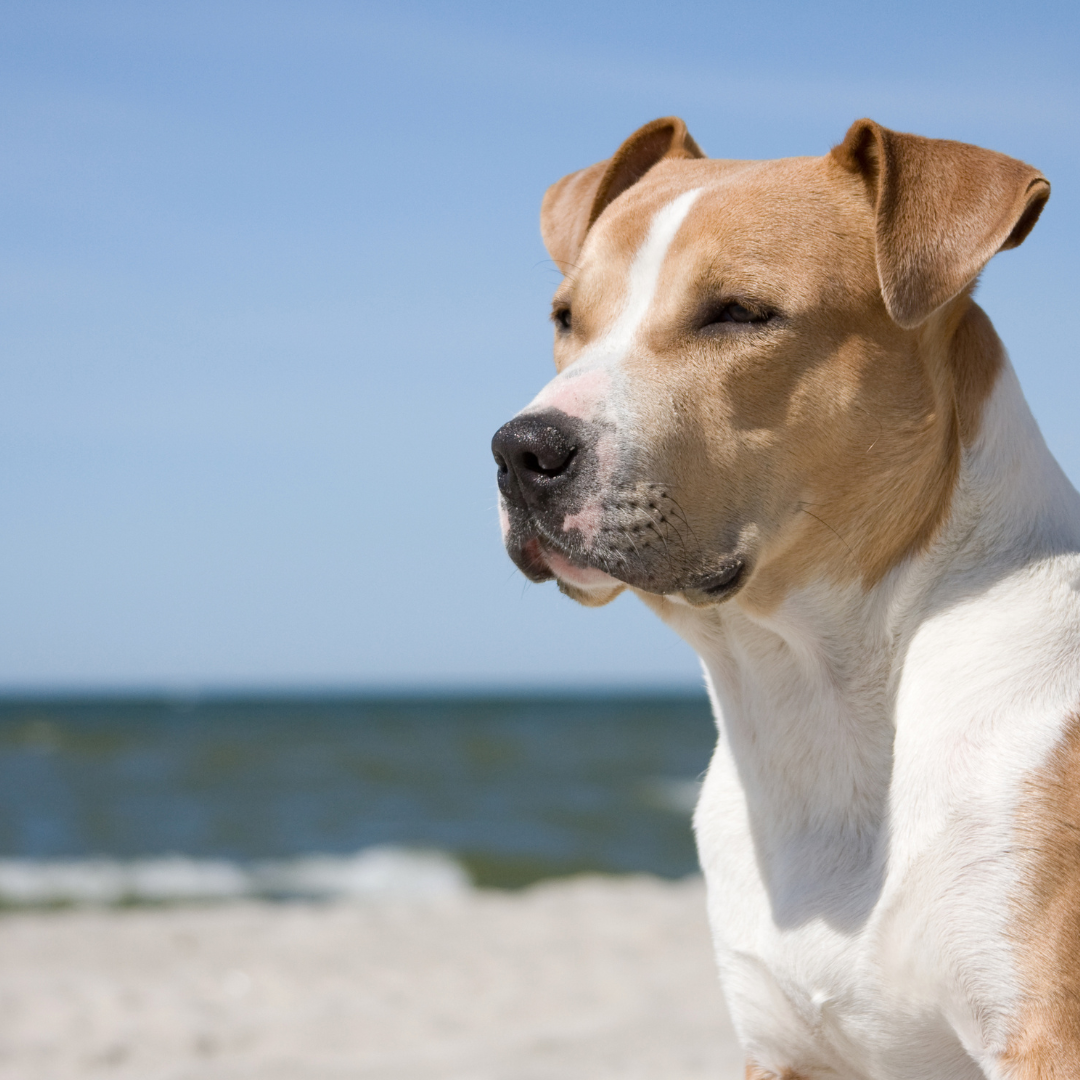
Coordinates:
974	357
564	214
662	139
1046	1042
838	433
942	210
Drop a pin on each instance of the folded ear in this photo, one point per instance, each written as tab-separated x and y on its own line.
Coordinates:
572	205
942	210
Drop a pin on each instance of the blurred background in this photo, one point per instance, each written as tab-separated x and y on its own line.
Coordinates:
270	278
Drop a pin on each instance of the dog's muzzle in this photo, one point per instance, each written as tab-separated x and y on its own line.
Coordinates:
562	499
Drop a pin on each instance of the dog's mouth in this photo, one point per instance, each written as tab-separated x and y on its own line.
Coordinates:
539	559
529	559
571	571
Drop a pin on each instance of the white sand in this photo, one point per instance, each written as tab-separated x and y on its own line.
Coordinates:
582	980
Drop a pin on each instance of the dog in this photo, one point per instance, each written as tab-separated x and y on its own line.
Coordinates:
781	420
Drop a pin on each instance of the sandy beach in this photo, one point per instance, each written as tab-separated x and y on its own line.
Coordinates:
589	978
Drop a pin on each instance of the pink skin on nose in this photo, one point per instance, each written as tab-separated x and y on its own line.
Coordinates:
590	517
587	521
575	395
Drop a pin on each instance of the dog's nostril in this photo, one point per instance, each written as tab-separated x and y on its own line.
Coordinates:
550	464
533	452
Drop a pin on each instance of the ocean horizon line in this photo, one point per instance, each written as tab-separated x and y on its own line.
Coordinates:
371	692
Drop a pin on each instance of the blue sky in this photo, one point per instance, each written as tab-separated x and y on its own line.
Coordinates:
270	277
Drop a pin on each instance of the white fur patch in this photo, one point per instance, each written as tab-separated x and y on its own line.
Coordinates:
642	280
586	387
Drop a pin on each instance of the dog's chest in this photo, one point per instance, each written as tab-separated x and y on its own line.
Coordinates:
801	953
830	969
860	852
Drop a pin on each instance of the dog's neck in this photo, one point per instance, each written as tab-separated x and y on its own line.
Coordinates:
806	694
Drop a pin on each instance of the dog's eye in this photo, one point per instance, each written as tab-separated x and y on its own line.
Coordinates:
735	312
561	318
732	311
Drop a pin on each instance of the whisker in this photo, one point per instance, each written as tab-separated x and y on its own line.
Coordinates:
831	529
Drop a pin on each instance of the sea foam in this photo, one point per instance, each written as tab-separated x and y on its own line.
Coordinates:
376	873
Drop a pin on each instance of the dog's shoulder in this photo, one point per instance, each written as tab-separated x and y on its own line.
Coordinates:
1045	1027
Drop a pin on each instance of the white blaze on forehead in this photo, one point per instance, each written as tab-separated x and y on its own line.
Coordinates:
582	388
643	278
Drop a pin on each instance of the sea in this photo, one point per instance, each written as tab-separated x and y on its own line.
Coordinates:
151	800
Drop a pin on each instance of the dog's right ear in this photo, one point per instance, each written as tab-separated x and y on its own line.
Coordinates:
572	205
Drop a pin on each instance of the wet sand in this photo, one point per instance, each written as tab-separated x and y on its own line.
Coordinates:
587	979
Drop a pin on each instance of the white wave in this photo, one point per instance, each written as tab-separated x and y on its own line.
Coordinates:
678	796
372	874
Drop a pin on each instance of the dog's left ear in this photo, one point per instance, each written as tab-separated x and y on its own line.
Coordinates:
572	205
943	209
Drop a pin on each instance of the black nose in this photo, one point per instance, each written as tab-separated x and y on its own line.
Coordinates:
535	455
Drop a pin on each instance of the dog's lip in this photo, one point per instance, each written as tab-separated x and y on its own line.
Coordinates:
725	579
565	569
542	559
719	585
530	560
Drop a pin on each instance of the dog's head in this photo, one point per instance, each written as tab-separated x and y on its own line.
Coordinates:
766	370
